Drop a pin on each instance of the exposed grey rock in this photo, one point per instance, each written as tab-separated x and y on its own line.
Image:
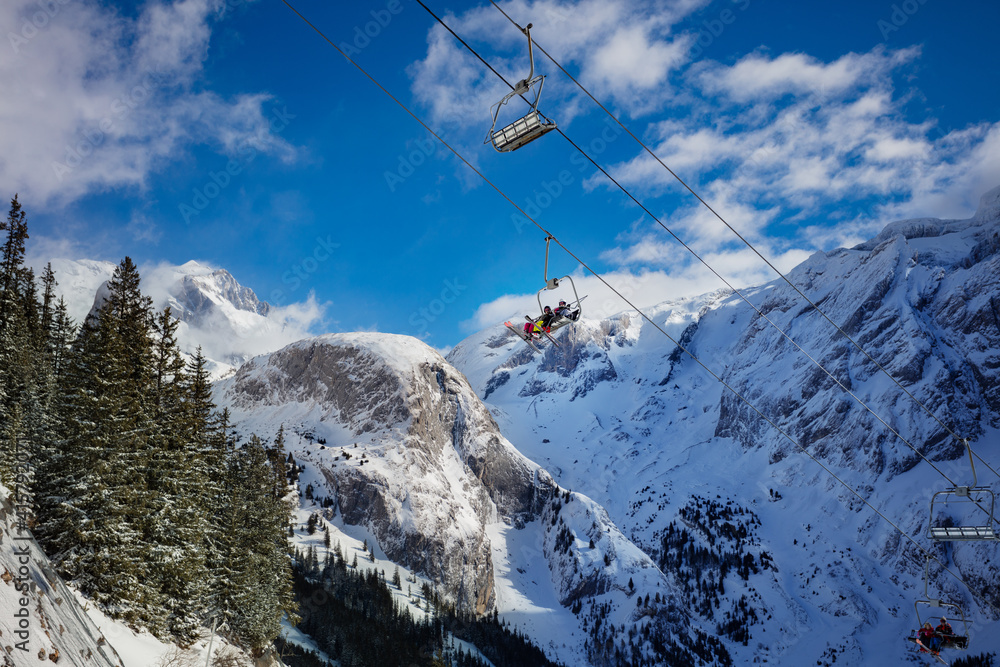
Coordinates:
427	410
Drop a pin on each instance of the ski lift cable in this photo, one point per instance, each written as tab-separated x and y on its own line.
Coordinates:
745	241
704	262
732	389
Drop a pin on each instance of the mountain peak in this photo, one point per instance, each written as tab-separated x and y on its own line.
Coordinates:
916	228
989	206
193	267
217	313
203	290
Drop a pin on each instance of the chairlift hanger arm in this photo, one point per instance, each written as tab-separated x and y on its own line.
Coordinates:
545	274
531	56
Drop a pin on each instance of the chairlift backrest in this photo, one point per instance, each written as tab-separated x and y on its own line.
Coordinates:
574	304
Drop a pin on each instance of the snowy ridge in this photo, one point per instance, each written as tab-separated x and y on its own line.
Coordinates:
618	413
78	282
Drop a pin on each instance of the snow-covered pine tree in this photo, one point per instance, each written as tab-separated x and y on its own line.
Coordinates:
97	509
41	415
13	273
276	456
18	330
92	523
260	590
178	521
217	496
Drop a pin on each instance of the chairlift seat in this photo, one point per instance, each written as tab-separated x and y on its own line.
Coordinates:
522	131
982	498
962	533
956	640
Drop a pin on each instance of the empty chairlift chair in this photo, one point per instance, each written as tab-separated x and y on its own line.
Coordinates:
977	521
529	127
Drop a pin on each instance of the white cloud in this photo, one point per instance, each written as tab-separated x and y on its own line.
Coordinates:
830	146
623	50
757	77
888	149
100	100
629	60
283	325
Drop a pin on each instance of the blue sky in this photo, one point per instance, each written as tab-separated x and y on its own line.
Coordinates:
232	134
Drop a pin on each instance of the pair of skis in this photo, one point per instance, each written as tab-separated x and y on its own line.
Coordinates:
925	649
530	340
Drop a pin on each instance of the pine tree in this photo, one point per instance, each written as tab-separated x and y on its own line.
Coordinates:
276	456
131	315
12	271
48	298
92	525
178	523
217	497
97	501
261	586
19	363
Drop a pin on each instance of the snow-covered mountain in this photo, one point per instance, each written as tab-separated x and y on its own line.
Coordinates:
402	446
619	413
617	499
224	318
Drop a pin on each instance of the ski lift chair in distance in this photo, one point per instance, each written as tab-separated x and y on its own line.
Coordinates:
526	129
958	640
979	497
553	283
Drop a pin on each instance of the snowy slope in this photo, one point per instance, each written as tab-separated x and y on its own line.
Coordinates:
619	414
40	619
397	439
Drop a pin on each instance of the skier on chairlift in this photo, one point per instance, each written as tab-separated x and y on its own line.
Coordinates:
562	310
943	632
539	324
927	639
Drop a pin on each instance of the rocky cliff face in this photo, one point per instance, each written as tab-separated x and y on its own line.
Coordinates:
198	296
920	300
412	454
